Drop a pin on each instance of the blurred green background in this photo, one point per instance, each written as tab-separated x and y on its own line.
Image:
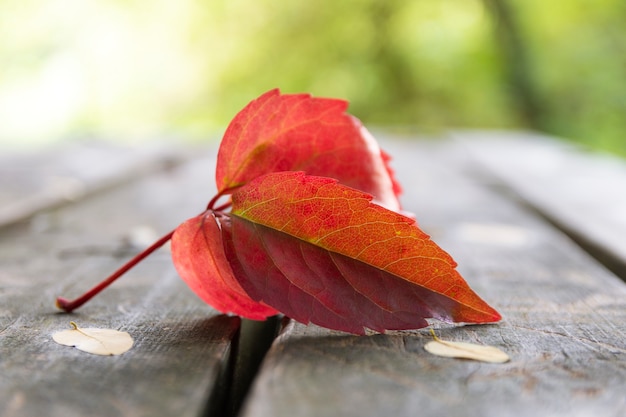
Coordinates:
137	69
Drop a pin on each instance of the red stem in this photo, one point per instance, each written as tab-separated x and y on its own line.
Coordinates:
218	196
70	305
213	201
223	206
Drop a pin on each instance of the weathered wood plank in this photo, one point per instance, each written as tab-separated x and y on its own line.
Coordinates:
582	193
564	320
34	181
181	360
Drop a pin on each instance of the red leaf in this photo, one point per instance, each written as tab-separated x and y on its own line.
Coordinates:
305	245
322	252
296	132
199	258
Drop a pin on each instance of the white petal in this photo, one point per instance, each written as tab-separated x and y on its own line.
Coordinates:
465	350
96	341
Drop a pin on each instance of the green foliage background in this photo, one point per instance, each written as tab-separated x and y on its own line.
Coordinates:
139	68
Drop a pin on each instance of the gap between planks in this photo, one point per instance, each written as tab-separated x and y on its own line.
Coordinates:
516	165
609	260
252	344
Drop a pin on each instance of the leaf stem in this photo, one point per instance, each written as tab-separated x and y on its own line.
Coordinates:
219	195
432	332
223	206
70	305
213	201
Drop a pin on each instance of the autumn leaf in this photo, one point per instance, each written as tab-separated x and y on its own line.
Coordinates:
94	340
199	258
315	231
297	132
322	252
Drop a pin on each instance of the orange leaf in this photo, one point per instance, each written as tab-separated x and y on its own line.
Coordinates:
322	252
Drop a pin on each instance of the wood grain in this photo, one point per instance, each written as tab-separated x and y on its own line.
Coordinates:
33	181
564	313
581	192
181	362
564	319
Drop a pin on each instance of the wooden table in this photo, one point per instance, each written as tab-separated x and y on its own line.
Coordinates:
538	229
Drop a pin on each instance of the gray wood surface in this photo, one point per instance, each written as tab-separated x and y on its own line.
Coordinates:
564	319
564	313
583	193
183	351
32	181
